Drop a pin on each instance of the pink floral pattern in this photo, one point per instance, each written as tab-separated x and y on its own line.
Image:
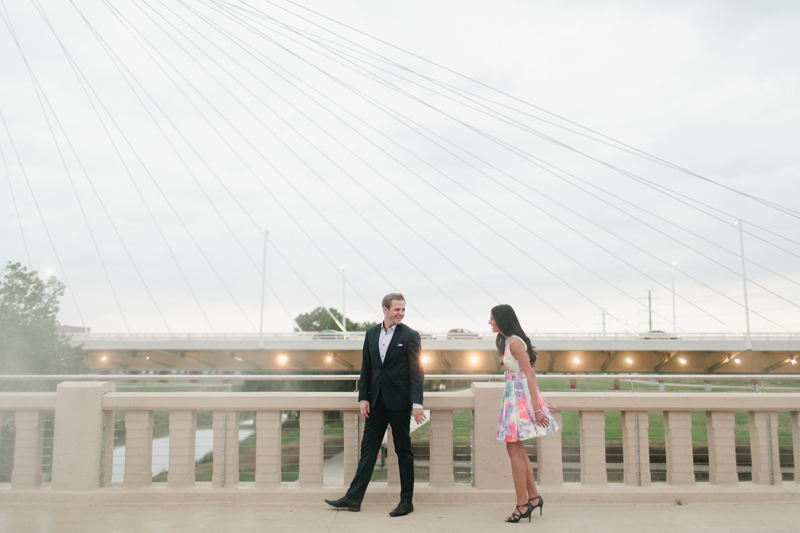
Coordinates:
517	421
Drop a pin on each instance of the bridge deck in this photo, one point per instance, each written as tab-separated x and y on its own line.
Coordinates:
317	517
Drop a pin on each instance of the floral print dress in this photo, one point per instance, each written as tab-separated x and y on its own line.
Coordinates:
516	414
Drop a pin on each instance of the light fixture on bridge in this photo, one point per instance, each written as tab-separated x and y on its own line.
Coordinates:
329	359
104	358
682	360
238	359
282	359
629	360
794	361
737	361
424	359
577	360
474	359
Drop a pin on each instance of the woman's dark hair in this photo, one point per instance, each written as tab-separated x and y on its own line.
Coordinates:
508	323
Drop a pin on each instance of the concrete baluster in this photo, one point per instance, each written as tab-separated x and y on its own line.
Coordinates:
763	442
268	448
78	435
491	466
441	473
593	447
138	448
795	421
636	466
549	460
182	439
225	471
27	471
109	425
678	440
392	466
353	431
311	447
721	448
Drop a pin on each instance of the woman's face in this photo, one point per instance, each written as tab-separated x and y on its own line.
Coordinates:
492	323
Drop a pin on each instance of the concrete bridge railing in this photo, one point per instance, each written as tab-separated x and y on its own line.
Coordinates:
84	413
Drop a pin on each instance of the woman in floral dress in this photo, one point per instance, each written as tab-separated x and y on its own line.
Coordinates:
524	413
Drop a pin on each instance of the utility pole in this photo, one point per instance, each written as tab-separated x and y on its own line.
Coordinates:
344	301
650	309
674	321
263	289
747	344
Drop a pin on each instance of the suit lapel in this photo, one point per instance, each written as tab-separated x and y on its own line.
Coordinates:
374	347
393	342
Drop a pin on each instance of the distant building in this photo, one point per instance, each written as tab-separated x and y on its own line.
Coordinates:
71	329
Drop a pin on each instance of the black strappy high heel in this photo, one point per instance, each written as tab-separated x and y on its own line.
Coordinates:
540	505
516	517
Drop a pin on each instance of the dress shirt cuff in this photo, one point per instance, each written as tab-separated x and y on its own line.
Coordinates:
416	406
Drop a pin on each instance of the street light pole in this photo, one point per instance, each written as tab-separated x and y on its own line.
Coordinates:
747	344
263	289
674	321
344	314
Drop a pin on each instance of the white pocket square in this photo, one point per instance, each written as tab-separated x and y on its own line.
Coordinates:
399	345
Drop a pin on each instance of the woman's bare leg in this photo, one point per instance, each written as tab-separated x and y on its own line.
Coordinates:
518	471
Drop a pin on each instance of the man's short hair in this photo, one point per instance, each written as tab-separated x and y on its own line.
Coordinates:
387	300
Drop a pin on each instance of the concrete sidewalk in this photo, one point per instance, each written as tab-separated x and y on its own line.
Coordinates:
318	517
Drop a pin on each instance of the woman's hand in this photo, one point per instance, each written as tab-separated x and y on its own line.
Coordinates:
542	419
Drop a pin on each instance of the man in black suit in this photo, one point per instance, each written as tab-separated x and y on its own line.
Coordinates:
390	390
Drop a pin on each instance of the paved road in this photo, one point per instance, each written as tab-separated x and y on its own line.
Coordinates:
317	517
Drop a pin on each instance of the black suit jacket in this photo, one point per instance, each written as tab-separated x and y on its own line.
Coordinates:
399	378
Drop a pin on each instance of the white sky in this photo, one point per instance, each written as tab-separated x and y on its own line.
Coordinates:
244	130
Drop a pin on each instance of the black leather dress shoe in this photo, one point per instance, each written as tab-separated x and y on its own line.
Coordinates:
402	509
345	503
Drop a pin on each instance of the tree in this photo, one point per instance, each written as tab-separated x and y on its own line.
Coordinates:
319	319
29	340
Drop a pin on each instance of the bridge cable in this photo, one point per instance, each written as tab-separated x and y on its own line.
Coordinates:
16	209
768	203
244	163
551	244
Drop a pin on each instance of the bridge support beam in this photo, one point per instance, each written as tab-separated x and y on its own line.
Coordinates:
608	361
549	460
678	440
721	448
78	435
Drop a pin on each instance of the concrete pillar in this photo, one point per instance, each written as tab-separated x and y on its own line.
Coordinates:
636	467
491	466
182	438
593	447
27	471
78	435
107	466
763	440
268	448
138	448
721	448
392	466
548	456
795	421
678	440
311	451
225	470
353	431
442	449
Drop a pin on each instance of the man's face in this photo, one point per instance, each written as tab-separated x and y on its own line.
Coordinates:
393	315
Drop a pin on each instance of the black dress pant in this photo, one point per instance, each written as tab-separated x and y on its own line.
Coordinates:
374	430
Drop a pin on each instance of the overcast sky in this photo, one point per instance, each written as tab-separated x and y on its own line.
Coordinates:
464	153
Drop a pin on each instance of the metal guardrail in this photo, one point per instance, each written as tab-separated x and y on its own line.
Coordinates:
352	377
335	335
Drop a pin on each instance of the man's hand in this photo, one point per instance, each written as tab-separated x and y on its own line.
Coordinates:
419	416
364	406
